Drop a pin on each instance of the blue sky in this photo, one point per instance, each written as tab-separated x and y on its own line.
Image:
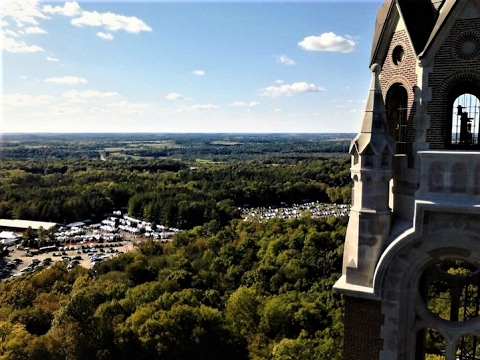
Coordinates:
197	66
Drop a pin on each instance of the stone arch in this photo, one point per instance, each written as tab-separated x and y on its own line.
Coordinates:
355	156
397	282
456	79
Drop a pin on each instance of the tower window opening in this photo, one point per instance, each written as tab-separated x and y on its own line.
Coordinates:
453	290
396	102
465	121
450	290
433	345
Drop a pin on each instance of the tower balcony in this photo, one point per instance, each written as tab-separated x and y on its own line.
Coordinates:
449	176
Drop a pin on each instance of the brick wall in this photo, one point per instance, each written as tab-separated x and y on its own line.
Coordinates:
401	73
363	320
449	70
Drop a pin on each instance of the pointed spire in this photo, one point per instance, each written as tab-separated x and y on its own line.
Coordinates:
373	120
374	130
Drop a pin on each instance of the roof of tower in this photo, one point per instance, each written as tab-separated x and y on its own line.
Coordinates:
384	13
374	133
443	13
420	17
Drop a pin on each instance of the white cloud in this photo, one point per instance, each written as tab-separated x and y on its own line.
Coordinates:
288	90
111	22
3	23
245	104
9	32
68	80
328	42
279	82
277	110
76	101
127	105
73	94
282	59
69	9
64	110
11	45
174	96
51	59
26	100
34	30
22	11
198	72
199	107
106	36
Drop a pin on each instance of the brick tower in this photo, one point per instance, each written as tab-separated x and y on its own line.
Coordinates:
411	271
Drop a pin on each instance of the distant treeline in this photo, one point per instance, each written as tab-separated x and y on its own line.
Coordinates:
166	192
188	147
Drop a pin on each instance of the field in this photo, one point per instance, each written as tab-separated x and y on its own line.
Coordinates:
185	147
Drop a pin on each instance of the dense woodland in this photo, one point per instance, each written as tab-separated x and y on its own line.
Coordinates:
222	289
247	291
168	191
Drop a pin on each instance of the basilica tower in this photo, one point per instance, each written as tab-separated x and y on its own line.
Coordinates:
411	272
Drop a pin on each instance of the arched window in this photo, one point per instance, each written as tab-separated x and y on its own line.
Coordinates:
433	345
368	155
396	106
450	291
355	157
465	117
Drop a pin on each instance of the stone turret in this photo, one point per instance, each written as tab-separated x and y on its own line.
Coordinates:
372	153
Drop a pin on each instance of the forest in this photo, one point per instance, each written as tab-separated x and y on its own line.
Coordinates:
222	288
246	291
169	191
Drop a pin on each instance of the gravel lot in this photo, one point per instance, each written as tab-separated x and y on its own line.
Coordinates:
23	259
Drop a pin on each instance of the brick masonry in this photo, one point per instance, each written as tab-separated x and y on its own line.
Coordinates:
402	73
363	321
444	77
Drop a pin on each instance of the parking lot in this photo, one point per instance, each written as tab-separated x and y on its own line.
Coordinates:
20	261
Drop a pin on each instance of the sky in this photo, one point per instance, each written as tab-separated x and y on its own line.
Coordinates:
185	67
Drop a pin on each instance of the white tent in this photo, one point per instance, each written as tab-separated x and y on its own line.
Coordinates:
8	237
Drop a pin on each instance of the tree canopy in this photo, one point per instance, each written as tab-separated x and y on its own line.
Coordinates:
248	290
